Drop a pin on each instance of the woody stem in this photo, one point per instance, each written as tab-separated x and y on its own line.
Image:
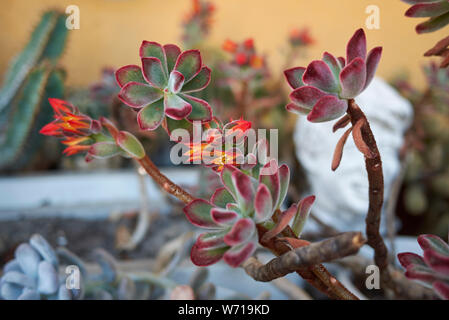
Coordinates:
376	191
164	182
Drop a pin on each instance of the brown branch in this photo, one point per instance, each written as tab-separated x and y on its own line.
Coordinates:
164	182
376	190
327	250
316	275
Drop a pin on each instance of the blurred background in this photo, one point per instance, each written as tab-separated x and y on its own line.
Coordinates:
112	29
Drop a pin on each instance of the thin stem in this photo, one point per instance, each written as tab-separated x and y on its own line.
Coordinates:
164	182
376	191
243	99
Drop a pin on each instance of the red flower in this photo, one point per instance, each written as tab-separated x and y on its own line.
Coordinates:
72	125
241	58
68	121
213	148
248	44
301	37
83	134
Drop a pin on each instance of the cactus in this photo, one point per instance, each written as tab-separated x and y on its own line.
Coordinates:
32	77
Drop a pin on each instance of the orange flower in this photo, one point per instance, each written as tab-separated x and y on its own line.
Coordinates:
240	124
210	151
229	46
67	122
72	125
256	62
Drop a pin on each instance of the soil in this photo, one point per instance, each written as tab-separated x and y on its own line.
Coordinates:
82	236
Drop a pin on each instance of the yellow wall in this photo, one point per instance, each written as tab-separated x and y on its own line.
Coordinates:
111	30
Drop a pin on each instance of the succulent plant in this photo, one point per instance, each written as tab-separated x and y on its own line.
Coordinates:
83	134
300	37
436	10
322	89
162	86
245	63
438	13
234	210
197	22
433	268
33	274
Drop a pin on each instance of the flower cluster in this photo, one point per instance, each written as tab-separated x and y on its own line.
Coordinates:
214	151
198	22
33	274
300	37
436	10
433	268
322	89
244	54
234	210
80	133
162	86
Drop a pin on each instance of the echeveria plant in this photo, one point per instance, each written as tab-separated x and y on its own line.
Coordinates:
322	90
163	84
433	268
33	274
234	211
247	209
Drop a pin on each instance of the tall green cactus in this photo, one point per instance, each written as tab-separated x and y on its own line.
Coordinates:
31	79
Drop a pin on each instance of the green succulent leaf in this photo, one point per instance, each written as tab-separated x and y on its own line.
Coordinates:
130	144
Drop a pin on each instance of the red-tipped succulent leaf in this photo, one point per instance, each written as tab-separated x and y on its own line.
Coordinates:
322	90
160	87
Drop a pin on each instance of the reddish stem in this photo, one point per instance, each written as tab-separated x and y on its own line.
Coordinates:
164	182
376	190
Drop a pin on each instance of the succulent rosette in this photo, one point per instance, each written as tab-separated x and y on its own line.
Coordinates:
436	10
322	90
163	85
233	211
433	268
80	133
33	274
